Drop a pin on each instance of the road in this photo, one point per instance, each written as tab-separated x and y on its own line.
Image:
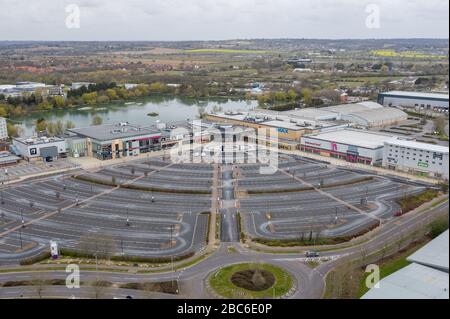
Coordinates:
310	281
165	224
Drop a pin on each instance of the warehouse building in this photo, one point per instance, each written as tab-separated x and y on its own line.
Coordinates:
365	114
112	141
425	278
40	148
417	100
352	145
416	158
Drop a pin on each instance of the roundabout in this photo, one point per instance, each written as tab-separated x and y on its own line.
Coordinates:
251	280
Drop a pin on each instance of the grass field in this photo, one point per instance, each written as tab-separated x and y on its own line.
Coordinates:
226	51
406	54
387	268
220	281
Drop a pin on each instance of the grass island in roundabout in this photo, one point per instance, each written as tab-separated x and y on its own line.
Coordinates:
251	280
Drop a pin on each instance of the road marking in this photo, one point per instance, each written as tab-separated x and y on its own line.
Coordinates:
320	191
51	214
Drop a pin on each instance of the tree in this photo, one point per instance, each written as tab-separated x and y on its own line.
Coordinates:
97	120
307	96
41	125
13	130
102	99
439	124
340	66
90	98
292	95
201	112
111	93
100	245
363	252
59	101
59	128
70	125
45	106
3	110
99	286
39	284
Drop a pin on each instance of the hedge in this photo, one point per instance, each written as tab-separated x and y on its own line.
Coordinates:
35	259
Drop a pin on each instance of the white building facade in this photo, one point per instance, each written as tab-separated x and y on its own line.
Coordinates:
355	146
3	129
416	158
40	148
415	100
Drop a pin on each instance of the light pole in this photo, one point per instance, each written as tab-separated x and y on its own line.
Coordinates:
128	219
23	221
20	236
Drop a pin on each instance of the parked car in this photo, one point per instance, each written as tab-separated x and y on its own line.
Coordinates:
310	254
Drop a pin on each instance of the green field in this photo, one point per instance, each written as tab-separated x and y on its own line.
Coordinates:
386	269
226	51
220	281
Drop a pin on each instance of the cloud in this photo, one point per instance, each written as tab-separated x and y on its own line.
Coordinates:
221	19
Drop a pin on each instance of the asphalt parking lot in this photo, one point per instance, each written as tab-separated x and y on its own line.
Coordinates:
283	205
165	213
142	223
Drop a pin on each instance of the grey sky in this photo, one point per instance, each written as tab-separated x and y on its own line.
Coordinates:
221	19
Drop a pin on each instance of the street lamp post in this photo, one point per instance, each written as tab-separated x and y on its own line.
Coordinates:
20	236
23	221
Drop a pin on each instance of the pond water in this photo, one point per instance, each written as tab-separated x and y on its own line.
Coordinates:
168	109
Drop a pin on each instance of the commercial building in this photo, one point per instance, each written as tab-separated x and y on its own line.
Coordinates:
286	128
352	145
416	100
425	278
290	126
416	158
21	88
6	159
288	133
40	148
3	129
113	141
366	114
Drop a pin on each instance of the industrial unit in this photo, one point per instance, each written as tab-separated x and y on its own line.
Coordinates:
417	158
365	114
40	148
113	141
416	100
425	278
356	146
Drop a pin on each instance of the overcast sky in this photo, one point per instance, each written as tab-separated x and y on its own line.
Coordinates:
221	19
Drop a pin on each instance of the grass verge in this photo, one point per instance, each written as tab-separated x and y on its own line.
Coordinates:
220	282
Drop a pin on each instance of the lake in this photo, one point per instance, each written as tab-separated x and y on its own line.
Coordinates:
169	110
